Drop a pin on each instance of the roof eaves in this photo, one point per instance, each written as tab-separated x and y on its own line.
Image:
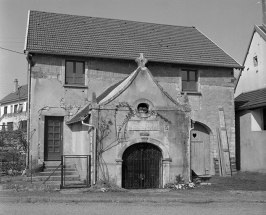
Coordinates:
248	107
128	58
13	100
260	32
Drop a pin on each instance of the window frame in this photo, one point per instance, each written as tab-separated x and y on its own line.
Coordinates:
74	82
188	89
5	110
15	108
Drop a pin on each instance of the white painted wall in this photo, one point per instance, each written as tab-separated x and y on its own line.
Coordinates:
253	77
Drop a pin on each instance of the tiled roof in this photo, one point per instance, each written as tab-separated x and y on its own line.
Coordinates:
111	38
252	99
20	94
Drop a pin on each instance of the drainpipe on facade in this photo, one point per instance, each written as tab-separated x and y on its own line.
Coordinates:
189	148
94	149
30	64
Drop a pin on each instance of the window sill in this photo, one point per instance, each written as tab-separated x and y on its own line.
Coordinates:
191	92
75	86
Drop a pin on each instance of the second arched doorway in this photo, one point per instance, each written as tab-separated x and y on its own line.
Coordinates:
142	166
200	150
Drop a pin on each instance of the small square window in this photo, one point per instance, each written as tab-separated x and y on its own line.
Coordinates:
189	80
75	72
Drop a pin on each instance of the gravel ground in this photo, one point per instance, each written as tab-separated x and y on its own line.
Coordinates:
243	186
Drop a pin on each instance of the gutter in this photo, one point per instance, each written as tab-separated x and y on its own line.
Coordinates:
189	148
30	64
94	149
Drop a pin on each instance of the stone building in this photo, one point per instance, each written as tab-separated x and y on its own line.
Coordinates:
143	124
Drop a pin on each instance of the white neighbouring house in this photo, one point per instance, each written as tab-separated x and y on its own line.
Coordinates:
13	109
250	103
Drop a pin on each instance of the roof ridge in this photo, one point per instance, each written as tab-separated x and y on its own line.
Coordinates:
117	19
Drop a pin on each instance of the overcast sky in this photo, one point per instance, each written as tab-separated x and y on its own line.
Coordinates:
228	23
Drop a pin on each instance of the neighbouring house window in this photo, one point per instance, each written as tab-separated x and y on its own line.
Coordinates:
5	110
3	126
189	80
255	61
23	125
10	126
20	108
75	72
15	108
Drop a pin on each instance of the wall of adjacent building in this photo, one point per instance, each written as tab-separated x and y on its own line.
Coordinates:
253	76
250	145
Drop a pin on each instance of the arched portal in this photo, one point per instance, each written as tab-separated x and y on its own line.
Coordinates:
200	150
142	166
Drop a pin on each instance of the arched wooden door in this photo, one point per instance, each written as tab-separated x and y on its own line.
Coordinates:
141	168
200	150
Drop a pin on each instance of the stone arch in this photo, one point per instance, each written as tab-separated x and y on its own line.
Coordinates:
165	158
164	150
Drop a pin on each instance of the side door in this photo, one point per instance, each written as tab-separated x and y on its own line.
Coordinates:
53	138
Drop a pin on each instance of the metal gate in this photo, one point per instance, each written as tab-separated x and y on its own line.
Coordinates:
77	163
141	166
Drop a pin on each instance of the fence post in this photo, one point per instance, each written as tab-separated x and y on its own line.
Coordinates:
62	169
31	169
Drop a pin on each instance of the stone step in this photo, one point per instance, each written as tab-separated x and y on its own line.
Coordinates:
56	173
54	178
59	169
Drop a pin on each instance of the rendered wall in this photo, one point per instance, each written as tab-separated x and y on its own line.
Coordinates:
251	147
50	97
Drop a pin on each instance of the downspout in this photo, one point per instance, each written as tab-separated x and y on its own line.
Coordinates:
30	63
189	148
94	149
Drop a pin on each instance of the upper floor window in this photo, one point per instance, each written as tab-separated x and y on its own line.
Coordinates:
5	110
15	108
75	72
20	108
189	80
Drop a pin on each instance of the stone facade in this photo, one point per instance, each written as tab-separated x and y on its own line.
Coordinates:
50	96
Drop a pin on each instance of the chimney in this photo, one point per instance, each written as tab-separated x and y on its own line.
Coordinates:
15	85
263	2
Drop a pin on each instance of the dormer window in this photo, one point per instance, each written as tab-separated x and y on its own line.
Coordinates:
143	108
